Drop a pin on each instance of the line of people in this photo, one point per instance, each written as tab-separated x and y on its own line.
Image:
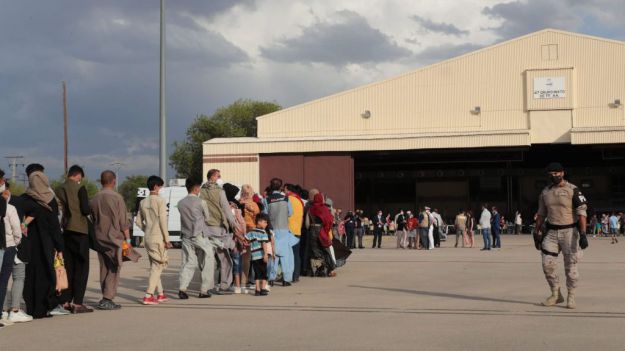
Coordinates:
234	236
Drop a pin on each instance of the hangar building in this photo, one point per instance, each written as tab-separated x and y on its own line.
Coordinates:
476	128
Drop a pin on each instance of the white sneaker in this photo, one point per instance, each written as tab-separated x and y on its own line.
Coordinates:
268	287
237	290
5	316
59	311
20	317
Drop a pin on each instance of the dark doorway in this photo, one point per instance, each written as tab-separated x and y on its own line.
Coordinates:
509	178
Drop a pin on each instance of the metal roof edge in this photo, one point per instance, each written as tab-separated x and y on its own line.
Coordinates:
364	136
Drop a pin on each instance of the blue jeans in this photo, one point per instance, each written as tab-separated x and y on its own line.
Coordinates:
486	236
497	238
236	263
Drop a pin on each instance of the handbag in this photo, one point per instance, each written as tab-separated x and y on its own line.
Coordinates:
129	253
61	274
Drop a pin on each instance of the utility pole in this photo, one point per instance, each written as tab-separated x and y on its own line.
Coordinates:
65	126
118	165
13	165
163	120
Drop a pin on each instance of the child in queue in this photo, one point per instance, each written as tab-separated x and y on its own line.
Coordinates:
260	252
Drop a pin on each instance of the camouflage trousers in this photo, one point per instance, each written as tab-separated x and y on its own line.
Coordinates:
567	242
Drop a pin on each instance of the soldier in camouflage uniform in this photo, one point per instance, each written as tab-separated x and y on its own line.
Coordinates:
563	207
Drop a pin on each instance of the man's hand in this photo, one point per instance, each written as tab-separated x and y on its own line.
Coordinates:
583	241
168	245
538	240
265	258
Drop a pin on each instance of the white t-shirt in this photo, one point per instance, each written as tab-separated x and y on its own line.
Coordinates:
12	226
485	219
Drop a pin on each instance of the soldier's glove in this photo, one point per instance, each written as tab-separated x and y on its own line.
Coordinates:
583	241
538	241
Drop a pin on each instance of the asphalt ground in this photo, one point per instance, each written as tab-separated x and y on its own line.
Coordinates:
383	299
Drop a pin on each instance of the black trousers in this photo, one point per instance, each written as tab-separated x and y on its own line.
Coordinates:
260	269
437	237
297	261
6	269
377	237
425	241
350	238
76	256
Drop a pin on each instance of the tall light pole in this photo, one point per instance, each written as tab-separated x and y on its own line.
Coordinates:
163	119
65	127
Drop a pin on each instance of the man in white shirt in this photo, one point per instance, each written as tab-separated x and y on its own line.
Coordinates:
518	223
485	227
438	227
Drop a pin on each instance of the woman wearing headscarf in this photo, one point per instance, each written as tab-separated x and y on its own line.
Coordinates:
46	242
319	222
238	231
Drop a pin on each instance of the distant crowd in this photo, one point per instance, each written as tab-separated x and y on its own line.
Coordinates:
425	228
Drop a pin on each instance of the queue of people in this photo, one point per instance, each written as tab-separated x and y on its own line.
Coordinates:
241	242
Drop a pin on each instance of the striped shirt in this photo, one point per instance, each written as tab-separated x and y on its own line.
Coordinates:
256	238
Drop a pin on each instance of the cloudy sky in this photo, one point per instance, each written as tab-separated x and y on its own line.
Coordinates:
221	50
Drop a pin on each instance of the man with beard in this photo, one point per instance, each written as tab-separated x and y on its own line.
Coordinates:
220	222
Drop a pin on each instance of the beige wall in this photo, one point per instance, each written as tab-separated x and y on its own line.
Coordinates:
550	126
358	143
439	98
237	173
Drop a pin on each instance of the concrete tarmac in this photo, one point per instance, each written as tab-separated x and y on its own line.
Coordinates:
383	299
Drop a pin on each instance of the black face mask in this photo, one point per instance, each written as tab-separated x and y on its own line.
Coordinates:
555	179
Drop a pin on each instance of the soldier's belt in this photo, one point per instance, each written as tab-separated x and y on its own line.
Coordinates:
549	253
558	227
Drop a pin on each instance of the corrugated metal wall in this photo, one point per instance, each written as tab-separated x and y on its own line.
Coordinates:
440	97
237	173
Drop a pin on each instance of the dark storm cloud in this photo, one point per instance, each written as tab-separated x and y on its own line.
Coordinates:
520	18
596	17
107	51
351	39
439	27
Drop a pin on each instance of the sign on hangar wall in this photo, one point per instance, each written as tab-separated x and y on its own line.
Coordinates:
549	87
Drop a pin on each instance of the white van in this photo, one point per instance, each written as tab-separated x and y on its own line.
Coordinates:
172	194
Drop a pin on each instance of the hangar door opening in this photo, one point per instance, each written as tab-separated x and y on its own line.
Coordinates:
508	178
454	194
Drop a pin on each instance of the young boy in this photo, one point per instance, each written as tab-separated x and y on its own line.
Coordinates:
259	247
152	219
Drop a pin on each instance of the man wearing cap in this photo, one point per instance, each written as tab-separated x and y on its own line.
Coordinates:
563	206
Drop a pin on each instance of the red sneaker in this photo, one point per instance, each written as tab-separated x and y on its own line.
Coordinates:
152	300
162	298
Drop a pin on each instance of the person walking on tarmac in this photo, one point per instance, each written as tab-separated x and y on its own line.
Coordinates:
563	206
